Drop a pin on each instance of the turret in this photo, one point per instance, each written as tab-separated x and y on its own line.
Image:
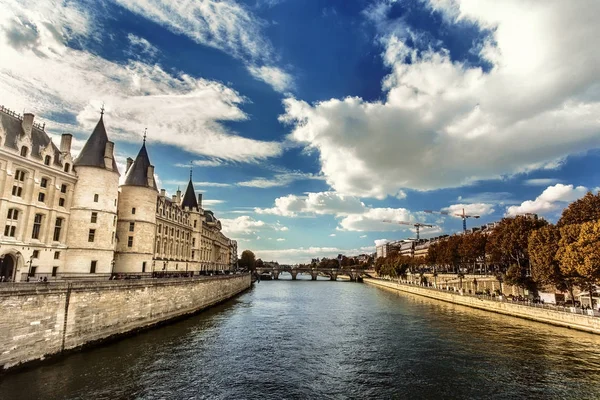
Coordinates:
136	227
91	231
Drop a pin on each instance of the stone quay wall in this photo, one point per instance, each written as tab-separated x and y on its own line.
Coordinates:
42	319
580	322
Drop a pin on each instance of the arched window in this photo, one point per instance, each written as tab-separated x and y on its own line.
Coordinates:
24	151
47	160
67	167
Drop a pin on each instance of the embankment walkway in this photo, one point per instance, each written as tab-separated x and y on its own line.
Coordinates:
587	322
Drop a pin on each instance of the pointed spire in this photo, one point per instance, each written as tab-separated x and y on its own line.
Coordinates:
141	172
102	111
92	154
189	198
145	132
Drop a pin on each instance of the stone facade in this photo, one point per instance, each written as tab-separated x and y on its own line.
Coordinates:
64	217
42	319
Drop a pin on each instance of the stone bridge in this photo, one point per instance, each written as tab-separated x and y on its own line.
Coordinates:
355	274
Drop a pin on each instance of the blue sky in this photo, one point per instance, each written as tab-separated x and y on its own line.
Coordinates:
310	122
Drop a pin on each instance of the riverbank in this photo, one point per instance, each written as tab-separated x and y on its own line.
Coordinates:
580	322
45	319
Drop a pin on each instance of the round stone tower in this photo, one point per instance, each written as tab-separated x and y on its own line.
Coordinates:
136	226
92	223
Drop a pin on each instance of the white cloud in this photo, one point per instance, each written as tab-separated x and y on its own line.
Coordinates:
541	181
379	242
552	198
445	123
480	209
40	73
141	48
247	226
332	235
317	203
363	236
280	179
197	185
209	202
373	220
280	80
280	239
221	24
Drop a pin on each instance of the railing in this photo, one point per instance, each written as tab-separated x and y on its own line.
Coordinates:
572	310
84	276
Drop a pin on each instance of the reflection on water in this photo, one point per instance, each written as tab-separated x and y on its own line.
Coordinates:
304	339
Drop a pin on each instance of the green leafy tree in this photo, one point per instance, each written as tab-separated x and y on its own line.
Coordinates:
247	260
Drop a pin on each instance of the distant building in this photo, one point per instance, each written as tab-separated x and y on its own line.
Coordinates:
66	216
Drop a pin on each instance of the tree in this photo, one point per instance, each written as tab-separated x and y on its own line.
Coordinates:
583	210
579	254
545	268
247	260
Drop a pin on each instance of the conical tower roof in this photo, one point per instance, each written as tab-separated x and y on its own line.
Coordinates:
92	154
189	198
137	174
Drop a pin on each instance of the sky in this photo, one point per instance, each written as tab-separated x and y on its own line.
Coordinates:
310	122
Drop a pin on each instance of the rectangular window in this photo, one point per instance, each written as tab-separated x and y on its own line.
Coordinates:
63	188
36	254
95	198
130	241
44	182
37	226
61	202
112	239
57	255
32	272
13	214
9	230
195	223
131	226
194	242
93	267
159	228
94	218
193	253
91	235
54	271
41	197
20	176
133	210
57	228
114	221
144	266
17	191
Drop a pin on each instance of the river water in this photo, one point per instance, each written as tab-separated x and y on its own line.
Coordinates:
327	340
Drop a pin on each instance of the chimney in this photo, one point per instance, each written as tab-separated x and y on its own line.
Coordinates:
108	155
163	192
174	198
178	196
151	175
199	200
27	123
129	162
65	143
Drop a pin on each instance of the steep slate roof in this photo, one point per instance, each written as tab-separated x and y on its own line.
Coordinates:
137	175
92	154
13	129
189	198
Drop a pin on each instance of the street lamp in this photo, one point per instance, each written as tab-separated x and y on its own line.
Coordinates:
30	262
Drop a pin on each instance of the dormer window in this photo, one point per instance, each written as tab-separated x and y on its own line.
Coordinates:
67	167
24	151
47	160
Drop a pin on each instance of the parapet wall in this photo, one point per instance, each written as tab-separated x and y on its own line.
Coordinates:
568	320
38	320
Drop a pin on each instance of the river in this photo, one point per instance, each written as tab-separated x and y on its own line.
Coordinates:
327	340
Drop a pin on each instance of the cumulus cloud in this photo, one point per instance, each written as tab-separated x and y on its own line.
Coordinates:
446	123
280	179
480	209
40	73
541	181
247	226
552	198
314	203
372	219
222	24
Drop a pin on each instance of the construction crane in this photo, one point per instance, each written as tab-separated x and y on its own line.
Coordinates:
417	225
462	215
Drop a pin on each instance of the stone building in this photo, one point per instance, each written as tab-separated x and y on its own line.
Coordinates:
64	217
